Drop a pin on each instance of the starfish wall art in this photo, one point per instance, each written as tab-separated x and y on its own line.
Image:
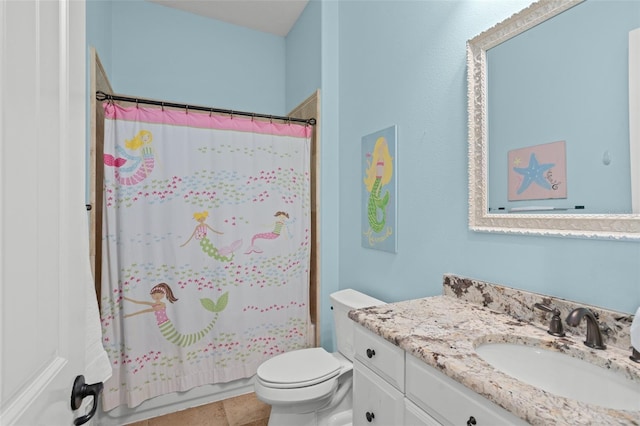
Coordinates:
538	172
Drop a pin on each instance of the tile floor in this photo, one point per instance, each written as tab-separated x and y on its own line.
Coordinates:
243	410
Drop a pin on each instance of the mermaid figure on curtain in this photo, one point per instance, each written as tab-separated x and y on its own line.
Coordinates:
281	218
168	330
224	254
140	166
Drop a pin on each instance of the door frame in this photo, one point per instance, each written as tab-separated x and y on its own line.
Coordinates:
98	81
310	108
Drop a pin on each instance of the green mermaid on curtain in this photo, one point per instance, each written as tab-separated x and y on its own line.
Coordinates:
378	174
223	254
168	330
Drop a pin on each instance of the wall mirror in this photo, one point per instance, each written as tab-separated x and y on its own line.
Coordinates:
554	74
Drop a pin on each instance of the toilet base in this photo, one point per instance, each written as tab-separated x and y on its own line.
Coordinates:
343	418
339	415
281	418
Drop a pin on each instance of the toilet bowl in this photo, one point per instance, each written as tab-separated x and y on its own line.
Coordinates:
312	387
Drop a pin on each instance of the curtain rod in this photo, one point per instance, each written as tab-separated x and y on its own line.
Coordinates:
101	96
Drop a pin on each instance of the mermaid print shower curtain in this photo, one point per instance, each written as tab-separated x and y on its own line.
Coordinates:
206	246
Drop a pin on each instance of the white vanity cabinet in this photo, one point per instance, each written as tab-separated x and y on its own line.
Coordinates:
375	402
416	416
391	387
450	402
378	380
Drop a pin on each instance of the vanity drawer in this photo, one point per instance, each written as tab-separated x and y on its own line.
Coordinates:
415	416
375	402
381	356
450	402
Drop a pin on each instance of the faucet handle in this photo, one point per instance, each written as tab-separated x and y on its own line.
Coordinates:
555	326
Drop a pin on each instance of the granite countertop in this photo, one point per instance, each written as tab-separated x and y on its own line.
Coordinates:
444	331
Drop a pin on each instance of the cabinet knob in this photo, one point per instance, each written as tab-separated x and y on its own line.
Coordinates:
370	353
370	416
471	421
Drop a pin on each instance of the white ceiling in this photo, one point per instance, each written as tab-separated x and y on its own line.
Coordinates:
270	16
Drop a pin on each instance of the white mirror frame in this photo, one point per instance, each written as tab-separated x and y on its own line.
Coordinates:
618	226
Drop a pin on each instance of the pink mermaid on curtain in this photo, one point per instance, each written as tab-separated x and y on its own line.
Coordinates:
281	218
138	167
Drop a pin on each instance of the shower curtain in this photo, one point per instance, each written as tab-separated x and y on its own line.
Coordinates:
206	246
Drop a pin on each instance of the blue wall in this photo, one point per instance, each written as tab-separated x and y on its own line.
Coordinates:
98	27
403	63
162	53
330	179
378	63
303	56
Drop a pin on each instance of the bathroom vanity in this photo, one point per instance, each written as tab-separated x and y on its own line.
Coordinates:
417	361
394	387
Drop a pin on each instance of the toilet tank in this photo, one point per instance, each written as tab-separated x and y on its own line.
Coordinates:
342	302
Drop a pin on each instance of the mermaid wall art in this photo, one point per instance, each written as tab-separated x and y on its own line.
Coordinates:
379	190
161	291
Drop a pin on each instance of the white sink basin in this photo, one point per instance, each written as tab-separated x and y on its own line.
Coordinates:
563	375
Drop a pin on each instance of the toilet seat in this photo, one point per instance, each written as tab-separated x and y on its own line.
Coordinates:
301	381
297	369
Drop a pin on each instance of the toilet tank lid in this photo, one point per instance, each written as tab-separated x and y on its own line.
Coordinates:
353	299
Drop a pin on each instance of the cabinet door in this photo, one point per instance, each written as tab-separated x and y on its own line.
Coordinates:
375	402
450	402
414	416
384	358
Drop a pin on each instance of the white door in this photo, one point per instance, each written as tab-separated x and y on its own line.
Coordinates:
43	249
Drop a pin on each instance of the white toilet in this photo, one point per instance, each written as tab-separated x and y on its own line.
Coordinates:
312	387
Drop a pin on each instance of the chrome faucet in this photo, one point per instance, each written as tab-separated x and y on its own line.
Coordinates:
594	336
